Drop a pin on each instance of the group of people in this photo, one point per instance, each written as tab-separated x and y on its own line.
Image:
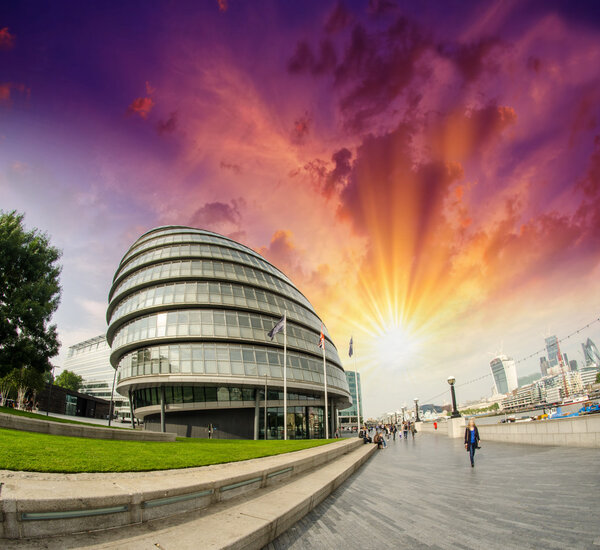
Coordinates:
382	432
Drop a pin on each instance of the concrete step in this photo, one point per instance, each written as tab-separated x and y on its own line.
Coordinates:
249	522
41	505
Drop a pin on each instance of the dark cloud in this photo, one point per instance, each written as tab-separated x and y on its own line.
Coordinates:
325	181
339	19
377	68
301	128
167	126
235	168
590	183
585	115
7	40
381	7
305	61
589	211
472	59
220	217
338	176
534	64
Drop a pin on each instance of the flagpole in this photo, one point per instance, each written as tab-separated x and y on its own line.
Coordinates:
284	375
326	406
265	406
357	394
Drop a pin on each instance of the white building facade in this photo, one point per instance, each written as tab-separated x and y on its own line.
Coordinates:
90	359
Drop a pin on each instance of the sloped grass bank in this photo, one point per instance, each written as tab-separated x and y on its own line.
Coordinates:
35	452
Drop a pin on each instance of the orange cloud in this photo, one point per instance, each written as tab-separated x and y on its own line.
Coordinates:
7	40
141	107
223	5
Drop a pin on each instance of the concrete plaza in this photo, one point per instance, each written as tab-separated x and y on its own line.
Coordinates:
423	494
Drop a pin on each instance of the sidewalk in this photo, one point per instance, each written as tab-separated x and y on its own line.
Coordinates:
423	494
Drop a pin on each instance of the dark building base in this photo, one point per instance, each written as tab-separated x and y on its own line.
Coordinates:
226	423
59	400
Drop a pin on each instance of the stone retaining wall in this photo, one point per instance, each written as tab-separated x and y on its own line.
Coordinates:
577	431
23	423
37	505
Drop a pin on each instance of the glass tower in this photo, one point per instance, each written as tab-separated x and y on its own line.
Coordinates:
349	415
552	350
590	352
188	316
504	371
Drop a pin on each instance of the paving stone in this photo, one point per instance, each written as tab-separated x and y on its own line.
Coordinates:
424	494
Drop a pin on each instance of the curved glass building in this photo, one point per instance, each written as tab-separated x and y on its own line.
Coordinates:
188	316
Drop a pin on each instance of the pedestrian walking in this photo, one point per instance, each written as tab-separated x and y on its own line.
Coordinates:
405	429
413	429
471	440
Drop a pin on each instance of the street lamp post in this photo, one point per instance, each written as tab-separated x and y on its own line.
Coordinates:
455	413
417	410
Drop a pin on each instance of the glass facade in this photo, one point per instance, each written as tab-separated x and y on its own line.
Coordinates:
204	269
552	350
222	294
226	359
302	423
349	414
197	306
90	359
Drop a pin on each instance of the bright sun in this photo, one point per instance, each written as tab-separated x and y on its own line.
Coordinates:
394	346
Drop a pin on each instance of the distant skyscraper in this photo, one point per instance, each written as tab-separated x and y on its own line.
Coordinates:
566	361
590	352
573	365
504	371
349	415
552	350
544	366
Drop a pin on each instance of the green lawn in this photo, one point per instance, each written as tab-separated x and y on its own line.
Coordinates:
36	452
17	412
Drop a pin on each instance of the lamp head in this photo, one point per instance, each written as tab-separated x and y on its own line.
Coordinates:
451	380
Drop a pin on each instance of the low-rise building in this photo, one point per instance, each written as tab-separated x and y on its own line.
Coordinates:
90	359
522	398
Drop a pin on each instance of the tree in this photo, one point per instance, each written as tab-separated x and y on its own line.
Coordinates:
29	295
25	380
598	378
7	384
69	380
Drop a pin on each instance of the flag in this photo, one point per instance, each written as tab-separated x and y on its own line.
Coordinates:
322	338
351	348
277	328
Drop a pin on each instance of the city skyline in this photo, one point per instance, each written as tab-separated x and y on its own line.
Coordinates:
428	176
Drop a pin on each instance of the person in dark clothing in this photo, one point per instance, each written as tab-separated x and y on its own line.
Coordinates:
471	440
